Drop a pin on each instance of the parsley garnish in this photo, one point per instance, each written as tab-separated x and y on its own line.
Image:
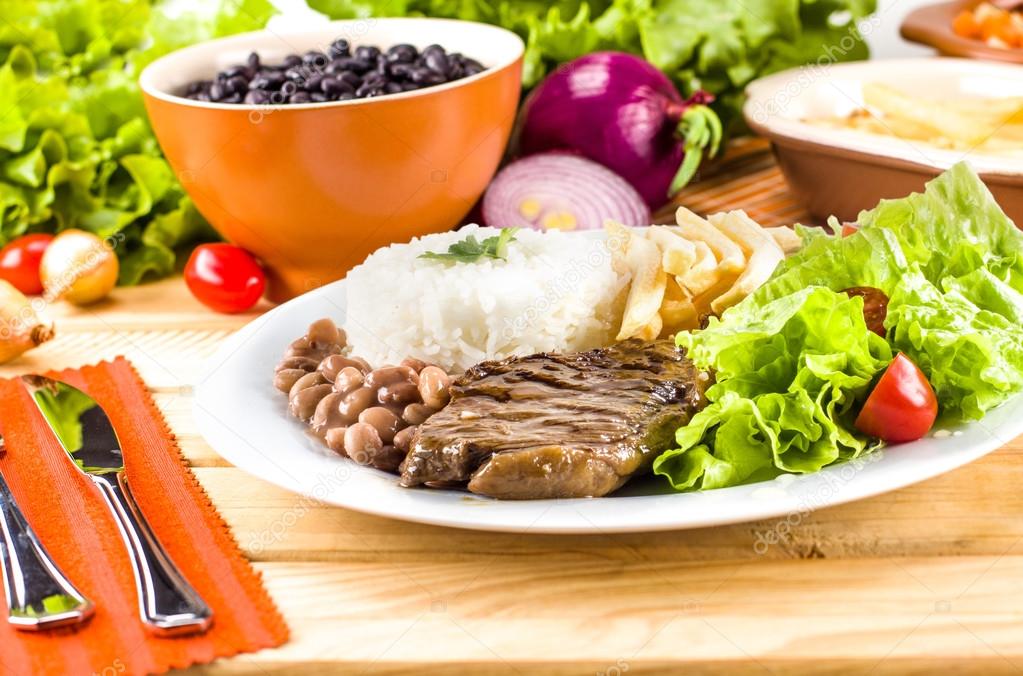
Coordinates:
471	250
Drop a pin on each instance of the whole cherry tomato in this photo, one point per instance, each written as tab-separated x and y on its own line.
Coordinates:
902	406
19	262
224	277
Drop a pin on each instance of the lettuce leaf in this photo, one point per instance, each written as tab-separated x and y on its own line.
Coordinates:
789	375
794	360
76	150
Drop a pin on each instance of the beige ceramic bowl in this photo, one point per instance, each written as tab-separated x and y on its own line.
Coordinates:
840	172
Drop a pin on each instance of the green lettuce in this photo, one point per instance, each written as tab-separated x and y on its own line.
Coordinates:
76	150
717	45
789	374
794	360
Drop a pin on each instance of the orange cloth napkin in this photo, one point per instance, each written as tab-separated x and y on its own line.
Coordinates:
70	518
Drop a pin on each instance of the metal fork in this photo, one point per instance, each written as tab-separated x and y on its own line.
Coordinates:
38	594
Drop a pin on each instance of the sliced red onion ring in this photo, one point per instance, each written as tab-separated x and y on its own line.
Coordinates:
561	191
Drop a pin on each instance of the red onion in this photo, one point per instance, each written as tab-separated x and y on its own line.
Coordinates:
621	111
561	191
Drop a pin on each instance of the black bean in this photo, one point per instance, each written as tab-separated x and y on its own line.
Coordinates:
360	66
339	47
238	84
267	80
367	53
351	78
338	74
402	54
312	83
315	59
437	61
364	91
257	97
425	76
334	86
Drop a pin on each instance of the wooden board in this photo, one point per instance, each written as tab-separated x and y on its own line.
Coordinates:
926	579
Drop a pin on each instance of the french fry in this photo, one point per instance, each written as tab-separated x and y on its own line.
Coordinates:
730	257
646	292
786	238
704	273
677	253
764	256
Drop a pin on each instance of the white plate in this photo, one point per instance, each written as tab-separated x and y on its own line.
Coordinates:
244	419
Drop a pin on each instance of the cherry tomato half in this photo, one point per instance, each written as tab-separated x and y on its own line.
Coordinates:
19	262
902	406
224	277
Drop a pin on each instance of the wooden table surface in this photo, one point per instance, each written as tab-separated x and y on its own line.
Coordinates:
926	579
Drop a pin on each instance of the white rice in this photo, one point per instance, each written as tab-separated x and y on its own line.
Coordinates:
556	291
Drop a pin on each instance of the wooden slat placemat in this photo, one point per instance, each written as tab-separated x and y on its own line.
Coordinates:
746	177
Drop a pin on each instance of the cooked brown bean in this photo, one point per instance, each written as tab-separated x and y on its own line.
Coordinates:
383	420
355	403
433	387
327	414
304	403
285	379
361	442
415	414
308	380
335	363
403	439
322	332
387	375
387	459
305	363
348	379
398	393
416	365
335	439
316	353
363	364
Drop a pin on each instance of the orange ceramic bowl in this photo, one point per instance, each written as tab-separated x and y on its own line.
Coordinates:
312	189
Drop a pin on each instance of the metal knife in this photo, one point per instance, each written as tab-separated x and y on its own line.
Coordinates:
168	605
38	594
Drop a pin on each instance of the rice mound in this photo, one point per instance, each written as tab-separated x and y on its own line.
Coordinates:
555	291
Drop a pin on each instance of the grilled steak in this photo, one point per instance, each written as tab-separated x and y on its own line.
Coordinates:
558	425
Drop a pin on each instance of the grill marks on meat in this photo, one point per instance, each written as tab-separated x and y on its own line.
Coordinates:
558	425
